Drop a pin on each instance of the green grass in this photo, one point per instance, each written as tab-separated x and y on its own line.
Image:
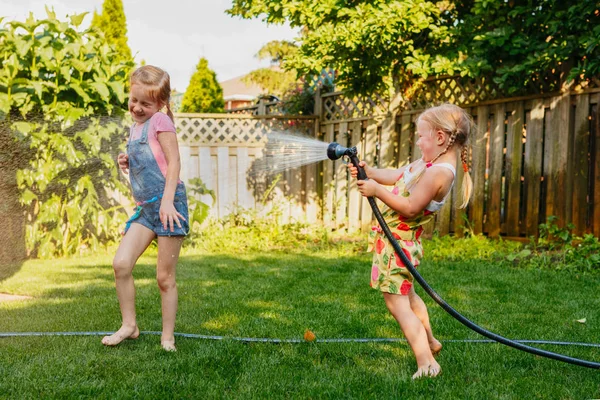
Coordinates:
280	295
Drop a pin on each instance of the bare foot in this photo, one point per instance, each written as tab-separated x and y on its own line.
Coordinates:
430	370
125	332
435	347
168	345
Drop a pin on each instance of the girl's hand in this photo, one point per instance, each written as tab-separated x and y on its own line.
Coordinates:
367	188
169	216
123	161
354	170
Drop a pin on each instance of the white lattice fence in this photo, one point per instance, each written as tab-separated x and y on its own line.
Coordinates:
220	149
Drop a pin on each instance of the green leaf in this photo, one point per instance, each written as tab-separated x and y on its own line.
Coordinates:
23	127
76	20
102	90
51	14
118	89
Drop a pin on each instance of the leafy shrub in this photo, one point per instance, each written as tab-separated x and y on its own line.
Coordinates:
251	230
558	248
62	97
470	247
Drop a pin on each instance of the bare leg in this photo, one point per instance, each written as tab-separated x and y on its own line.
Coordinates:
415	334
168	255
420	310
135	241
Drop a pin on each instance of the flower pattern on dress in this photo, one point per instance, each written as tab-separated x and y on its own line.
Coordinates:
388	272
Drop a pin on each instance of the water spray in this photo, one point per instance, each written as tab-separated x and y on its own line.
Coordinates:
336	151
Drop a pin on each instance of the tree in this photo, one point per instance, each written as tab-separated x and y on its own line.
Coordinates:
388	45
114	26
203	94
275	80
534	45
372	45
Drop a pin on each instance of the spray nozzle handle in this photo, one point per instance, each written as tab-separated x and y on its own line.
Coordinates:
362	175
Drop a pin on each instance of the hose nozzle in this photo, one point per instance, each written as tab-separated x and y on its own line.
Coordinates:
336	151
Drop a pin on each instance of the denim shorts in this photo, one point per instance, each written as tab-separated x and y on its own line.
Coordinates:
150	218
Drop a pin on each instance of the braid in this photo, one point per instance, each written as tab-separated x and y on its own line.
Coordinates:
464	158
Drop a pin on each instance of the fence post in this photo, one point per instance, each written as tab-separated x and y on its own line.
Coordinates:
262	107
312	170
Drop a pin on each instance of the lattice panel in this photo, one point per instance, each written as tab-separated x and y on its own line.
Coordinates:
236	131
340	107
454	89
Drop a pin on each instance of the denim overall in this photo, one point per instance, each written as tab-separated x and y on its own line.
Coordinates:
148	185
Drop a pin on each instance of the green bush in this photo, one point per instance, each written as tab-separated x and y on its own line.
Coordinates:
558	248
250	230
62	100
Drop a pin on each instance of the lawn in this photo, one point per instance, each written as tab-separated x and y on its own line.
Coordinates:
280	294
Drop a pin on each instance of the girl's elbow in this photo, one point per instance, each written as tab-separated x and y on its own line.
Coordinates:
410	214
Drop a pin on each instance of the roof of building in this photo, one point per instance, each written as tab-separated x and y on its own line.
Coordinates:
237	89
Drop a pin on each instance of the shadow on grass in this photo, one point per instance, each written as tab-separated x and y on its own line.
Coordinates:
8	269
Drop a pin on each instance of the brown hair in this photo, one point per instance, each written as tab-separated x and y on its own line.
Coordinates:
457	124
157	84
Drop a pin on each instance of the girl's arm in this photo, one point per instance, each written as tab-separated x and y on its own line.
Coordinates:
383	176
386	176
426	190
168	213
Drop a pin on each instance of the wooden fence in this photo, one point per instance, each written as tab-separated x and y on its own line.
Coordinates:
532	157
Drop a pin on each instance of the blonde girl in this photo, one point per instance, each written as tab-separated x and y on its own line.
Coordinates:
152	163
419	191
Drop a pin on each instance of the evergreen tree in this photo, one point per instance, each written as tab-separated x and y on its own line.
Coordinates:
204	94
112	23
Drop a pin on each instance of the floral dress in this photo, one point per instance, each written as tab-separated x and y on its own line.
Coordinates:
388	273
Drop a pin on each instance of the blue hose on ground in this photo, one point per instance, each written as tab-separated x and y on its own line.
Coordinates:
277	340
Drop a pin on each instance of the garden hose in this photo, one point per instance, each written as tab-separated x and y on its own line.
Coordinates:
336	151
288	341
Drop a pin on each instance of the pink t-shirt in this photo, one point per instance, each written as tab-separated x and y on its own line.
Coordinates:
159	122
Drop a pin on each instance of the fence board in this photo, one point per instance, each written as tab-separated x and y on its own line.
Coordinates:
328	193
222	180
370	140
244	195
341	180
389	143
354	197
580	163
596	160
405	140
415	151
533	166
558	150
457	220
478	168
514	146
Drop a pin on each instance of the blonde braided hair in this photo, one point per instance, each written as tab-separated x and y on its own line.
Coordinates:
458	124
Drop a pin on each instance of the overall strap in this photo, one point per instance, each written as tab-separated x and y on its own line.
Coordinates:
144	138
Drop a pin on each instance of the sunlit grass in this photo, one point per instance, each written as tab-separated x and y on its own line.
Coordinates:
280	295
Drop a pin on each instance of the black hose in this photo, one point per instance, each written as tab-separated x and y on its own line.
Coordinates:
469	324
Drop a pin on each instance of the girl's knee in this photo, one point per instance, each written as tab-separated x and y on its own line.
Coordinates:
165	282
122	266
